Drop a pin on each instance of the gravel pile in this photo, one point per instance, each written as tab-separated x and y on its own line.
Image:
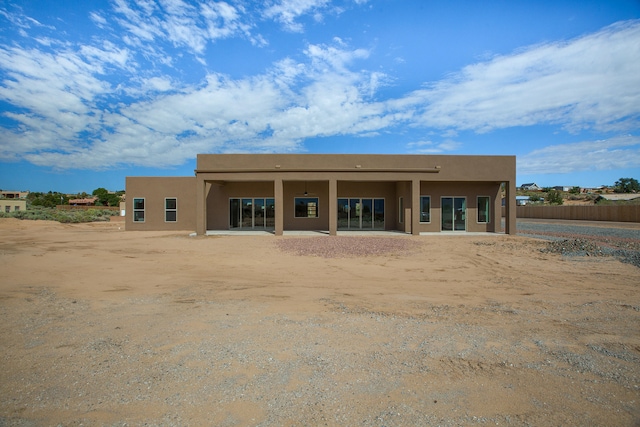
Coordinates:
585	240
346	246
575	247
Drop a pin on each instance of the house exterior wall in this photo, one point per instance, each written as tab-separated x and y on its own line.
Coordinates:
330	177
7	194
218	195
13	205
154	191
374	189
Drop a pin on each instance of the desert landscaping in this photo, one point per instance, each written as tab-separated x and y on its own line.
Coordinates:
112	328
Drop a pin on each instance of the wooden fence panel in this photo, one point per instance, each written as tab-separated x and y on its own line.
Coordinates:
623	213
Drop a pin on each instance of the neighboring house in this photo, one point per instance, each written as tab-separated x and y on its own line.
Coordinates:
332	193
12	205
522	200
90	201
13	194
532	186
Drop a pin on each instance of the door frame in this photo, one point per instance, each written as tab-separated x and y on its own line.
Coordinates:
453	219
239	213
360	206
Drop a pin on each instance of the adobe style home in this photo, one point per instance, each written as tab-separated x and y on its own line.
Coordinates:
329	193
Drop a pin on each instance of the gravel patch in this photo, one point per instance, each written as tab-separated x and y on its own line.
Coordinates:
585	240
346	246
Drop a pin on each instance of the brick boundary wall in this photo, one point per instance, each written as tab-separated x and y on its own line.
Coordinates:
85	208
625	213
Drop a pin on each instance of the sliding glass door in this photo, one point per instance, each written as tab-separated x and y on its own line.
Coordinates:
360	214
251	213
454	213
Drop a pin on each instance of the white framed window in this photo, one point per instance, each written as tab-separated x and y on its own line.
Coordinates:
170	209
401	210
425	208
138	209
306	207
483	209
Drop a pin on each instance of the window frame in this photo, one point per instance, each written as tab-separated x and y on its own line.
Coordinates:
137	210
167	210
429	212
488	213
317	207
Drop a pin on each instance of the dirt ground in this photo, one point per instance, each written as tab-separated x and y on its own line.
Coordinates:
106	327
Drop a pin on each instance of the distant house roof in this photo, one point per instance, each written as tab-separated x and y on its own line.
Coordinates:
6	194
89	201
531	186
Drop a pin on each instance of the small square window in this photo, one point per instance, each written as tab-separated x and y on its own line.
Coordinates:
138	210
306	207
138	203
170	210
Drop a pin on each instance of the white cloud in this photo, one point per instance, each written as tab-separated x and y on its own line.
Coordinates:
180	23
592	82
275	111
608	154
156	84
69	112
98	19
430	147
287	11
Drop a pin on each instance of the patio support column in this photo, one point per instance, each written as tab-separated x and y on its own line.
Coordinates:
495	222
333	207
278	192
510	208
201	206
415	207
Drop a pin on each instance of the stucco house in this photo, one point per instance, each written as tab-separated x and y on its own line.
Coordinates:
332	193
13	205
530	186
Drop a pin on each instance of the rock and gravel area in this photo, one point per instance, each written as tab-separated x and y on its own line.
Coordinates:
572	239
346	246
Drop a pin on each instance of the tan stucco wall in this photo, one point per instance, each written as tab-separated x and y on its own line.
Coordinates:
220	193
451	168
12	204
469	190
284	176
154	190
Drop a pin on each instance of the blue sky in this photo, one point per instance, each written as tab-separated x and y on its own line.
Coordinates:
93	91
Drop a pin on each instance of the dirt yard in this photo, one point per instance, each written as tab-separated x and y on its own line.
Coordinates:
106	327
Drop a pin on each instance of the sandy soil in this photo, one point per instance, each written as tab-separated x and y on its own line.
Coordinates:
106	327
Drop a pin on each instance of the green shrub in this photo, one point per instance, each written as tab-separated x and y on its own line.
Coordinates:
554	197
63	216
